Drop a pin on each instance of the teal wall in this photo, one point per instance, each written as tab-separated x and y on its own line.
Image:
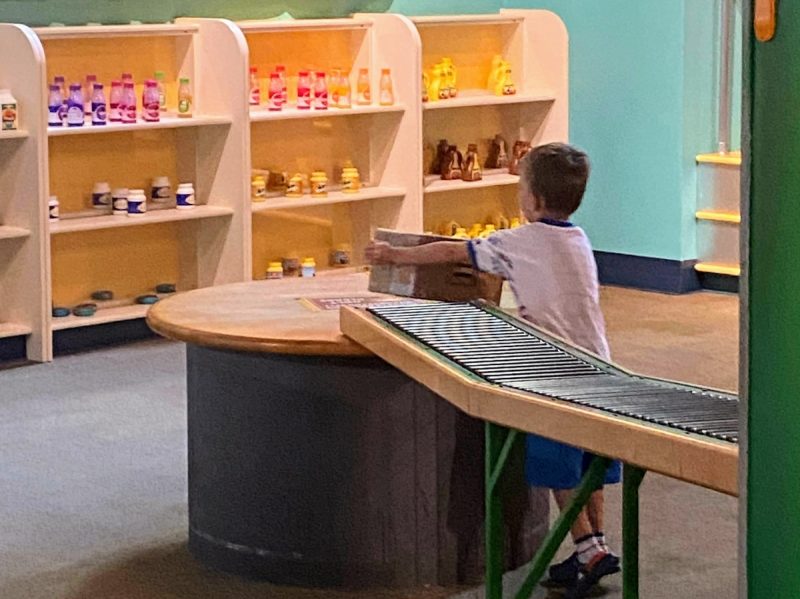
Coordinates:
642	94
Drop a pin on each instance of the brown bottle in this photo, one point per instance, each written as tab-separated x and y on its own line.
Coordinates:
498	156
451	165
441	154
471	169
520	149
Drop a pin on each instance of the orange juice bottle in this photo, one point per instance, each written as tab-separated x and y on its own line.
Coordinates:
363	93
386	91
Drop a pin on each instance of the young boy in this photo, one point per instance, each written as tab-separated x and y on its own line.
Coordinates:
550	268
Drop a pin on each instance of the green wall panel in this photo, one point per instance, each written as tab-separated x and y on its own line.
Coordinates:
773	459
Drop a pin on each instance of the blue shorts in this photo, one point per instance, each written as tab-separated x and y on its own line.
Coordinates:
557	466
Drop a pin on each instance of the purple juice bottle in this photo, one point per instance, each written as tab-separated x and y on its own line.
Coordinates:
98	105
75	106
114	99
55	107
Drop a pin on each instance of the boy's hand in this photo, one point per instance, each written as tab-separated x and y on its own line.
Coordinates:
379	252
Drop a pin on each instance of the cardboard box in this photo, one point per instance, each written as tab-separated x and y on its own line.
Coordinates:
444	282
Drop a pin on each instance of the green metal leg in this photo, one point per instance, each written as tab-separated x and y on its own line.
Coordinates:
632	478
499	441
591	481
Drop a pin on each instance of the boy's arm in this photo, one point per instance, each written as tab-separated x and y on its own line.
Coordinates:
380	252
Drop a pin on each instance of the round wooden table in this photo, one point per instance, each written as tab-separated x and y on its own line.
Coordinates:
312	462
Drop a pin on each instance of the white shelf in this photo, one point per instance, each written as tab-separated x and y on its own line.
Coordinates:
102	316
334	197
260	114
435	184
167	122
110	221
13	232
106	31
16	134
271	25
13	329
470	97
444	20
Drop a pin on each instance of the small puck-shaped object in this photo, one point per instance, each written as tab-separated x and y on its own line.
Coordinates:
102	295
147	299
85	310
60	311
165	288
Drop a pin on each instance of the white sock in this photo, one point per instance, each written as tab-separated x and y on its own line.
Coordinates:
588	548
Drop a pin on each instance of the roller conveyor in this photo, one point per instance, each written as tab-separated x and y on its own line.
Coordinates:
506	352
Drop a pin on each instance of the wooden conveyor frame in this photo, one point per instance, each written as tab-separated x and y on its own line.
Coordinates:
640	446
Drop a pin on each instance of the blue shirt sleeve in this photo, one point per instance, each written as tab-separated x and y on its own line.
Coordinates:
490	255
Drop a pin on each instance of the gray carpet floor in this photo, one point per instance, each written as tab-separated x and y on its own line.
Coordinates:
93	471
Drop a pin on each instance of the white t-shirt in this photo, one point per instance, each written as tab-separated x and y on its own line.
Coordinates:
553	274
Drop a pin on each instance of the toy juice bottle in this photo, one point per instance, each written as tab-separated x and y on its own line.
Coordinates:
294	188
98	105
488	230
471	170
351	180
319	184
274	271
151	111
281	70
449	74
303	91
436	91
127	104
334	85
88	90
8	110
75	106
62	87
185	98
461	233
426	82
259	188
114	99
506	86
308	268
475	231
363	92
275	91
55	107
321	92
162	90
345	91
255	87
453	162
514	223
494	72
386	90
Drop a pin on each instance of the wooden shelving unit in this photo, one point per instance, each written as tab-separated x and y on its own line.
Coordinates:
228	238
381	141
24	243
535	43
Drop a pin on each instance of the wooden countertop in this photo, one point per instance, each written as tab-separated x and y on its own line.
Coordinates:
263	316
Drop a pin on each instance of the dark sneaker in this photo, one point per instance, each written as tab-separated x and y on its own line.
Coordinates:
590	574
564	574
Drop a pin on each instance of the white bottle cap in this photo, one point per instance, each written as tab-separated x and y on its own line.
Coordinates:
53	199
160	181
136	192
102	187
185	185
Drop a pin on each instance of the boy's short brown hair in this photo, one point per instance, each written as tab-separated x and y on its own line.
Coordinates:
557	173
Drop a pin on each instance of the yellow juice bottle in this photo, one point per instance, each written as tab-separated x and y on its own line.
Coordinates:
494	72
435	88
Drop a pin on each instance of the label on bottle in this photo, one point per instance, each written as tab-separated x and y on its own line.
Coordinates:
275	99
321	100
114	112
98	113
255	95
101	200
54	212
120	205
184	199
128	113
364	97
319	188
303	98
136	206
151	112
184	106
387	98
162	100
54	115
160	193
75	115
9	111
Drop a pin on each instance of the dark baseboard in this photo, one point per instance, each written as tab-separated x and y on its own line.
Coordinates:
715	282
12	349
651	274
100	335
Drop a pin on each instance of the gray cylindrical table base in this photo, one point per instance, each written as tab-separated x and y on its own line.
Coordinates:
327	472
